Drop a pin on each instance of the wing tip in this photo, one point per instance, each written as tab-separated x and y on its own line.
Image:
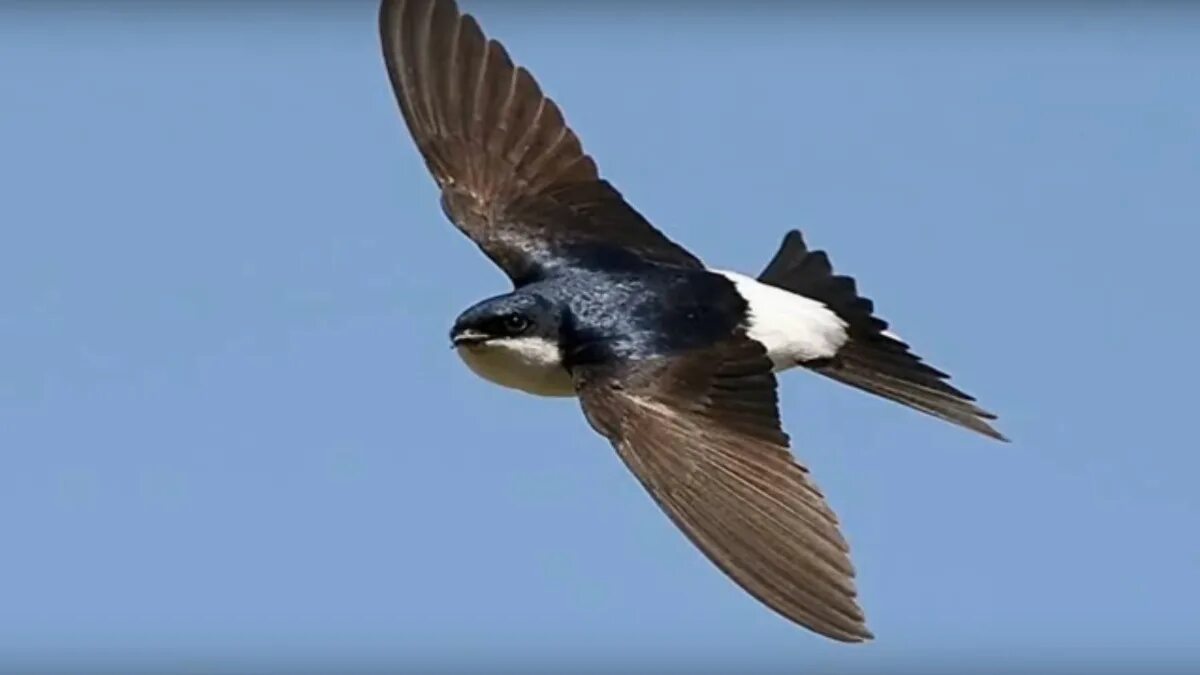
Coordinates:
979	421
862	637
859	634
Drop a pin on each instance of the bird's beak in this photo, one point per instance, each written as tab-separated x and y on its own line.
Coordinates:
468	338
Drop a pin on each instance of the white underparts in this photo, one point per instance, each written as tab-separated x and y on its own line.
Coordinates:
792	327
530	364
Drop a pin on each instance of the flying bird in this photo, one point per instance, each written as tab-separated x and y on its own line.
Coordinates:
673	362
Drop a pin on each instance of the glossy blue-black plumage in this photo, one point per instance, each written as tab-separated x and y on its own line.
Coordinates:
602	306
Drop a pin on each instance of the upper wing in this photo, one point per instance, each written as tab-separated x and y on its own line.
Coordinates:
702	434
513	175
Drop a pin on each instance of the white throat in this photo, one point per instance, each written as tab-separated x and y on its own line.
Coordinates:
530	364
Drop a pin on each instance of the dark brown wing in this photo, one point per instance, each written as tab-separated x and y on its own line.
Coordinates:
702	434
513	175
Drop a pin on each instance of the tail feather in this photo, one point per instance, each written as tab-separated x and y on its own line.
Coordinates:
873	359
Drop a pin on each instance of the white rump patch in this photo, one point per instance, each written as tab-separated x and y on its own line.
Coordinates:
792	327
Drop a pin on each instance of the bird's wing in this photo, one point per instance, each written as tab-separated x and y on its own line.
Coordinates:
701	432
513	175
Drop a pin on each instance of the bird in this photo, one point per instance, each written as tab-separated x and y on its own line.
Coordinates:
673	362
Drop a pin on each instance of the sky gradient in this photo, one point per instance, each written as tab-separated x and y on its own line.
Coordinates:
232	433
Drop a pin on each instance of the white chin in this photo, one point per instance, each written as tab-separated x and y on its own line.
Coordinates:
529	364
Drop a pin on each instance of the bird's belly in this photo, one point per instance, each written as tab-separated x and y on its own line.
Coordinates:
517	370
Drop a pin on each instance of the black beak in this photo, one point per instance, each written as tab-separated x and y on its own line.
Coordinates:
468	337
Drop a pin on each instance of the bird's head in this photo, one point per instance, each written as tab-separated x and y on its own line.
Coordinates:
515	317
513	340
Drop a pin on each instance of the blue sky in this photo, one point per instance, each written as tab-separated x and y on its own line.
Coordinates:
232	432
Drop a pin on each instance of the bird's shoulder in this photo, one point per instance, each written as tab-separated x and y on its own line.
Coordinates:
646	311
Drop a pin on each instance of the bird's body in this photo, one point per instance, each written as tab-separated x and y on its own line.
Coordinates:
650	312
673	362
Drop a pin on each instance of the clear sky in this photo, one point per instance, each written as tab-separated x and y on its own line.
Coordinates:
232	433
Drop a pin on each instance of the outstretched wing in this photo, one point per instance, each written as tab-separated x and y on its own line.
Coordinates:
513	175
702	434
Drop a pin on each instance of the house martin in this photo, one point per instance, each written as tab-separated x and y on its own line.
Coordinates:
673	362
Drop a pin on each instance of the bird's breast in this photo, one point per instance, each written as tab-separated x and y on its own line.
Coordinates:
531	365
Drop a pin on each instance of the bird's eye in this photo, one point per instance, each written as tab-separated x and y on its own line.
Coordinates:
515	323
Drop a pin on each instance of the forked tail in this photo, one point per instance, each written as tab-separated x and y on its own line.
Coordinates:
872	359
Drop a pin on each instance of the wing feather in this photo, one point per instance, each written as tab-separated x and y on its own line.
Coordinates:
702	434
514	176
